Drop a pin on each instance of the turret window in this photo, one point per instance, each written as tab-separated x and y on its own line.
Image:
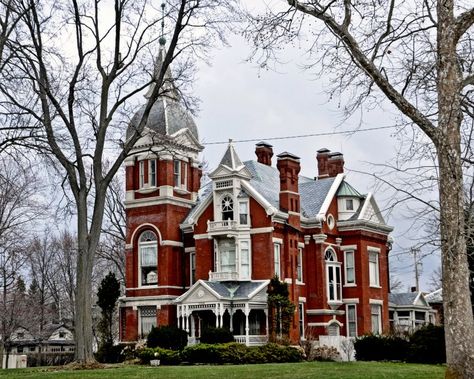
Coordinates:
148	258
152	172
177	173
243	212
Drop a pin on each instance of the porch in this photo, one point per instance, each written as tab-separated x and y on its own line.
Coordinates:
240	307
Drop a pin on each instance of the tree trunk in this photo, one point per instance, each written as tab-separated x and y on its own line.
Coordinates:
459	324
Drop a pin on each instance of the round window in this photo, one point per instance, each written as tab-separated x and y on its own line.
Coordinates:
331	222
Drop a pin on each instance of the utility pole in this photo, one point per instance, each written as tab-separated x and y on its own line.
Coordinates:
415	251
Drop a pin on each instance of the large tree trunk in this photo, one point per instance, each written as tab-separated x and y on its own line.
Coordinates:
459	324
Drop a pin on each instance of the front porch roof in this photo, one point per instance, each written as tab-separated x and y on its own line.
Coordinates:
204	291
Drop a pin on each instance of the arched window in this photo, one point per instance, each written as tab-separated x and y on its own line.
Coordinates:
333	276
148	258
227	205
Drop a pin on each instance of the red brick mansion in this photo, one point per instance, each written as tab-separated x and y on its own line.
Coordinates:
201	251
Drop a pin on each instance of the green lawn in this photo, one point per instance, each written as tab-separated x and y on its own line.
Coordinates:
326	370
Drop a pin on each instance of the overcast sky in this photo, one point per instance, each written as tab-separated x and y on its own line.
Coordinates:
238	101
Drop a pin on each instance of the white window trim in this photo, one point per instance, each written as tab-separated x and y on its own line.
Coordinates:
380	307
346	284
301	306
279	259
184	174
249	242
192	253
300	258
177	174
347	318
374	250
247	203
335	265
140	285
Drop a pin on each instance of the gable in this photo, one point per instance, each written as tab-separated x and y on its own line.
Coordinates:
198	293
370	211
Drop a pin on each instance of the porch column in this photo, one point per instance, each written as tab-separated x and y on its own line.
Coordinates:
186	318
247	329
265	311
231	313
216	312
178	315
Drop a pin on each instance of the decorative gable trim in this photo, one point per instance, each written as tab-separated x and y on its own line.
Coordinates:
321	216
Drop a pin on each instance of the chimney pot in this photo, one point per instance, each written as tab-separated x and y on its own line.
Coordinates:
264	152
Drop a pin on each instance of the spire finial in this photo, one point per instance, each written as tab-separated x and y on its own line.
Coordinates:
162	39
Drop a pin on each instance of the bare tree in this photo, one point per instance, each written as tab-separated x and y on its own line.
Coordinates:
18	208
77	72
418	55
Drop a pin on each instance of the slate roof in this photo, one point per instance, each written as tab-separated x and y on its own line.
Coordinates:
242	290
402	298
266	181
166	117
435	296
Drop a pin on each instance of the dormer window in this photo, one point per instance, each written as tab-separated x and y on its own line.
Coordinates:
227	205
349	204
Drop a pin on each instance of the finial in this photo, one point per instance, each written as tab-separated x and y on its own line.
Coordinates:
162	39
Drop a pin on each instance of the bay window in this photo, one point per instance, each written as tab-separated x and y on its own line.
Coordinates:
244	260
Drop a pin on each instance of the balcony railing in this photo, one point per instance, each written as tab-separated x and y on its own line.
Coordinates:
253	340
223	276
217	226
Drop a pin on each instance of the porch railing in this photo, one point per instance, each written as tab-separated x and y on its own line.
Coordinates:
253	340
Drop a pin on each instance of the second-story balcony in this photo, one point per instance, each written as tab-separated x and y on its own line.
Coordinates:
221	226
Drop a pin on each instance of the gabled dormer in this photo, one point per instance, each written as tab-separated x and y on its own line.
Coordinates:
348	201
230	199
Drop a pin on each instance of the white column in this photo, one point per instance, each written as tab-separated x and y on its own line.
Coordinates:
247	329
266	322
186	319
231	313
216	312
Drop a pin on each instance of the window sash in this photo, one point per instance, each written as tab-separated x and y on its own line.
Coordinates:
277	258
374	269
243	213
177	173
152	172
244	260
333	282
299	265
148	255
147	319
375	312
351	320
192	263
141	174
349	267
227	256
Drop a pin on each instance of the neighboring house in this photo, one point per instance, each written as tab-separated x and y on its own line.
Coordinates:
202	255
435	299
54	338
409	311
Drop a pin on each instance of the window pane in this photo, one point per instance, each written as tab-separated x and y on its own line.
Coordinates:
350	267
152	173
177	173
148	256
227	256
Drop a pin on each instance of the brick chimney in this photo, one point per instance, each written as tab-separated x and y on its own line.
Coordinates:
264	153
329	164
289	167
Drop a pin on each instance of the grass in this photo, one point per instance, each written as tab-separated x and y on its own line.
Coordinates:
326	370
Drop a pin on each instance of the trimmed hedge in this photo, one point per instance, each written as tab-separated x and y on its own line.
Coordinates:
216	335
234	353
426	345
167	337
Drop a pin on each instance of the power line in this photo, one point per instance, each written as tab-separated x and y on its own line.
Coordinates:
342	132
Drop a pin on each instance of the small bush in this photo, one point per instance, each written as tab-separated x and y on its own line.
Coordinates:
49	359
167	337
427	345
273	353
108	353
216	335
325	354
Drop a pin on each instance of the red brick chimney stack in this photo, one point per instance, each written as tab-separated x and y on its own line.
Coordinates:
289	167
264	153
329	164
